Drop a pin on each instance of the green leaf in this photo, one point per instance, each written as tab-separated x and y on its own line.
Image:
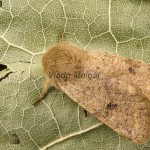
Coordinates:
27	29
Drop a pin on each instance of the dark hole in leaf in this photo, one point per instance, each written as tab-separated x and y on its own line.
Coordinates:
2	67
14	139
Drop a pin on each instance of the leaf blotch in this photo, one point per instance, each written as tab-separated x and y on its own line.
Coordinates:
14	139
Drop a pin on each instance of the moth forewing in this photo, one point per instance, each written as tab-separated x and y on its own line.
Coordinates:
128	112
112	88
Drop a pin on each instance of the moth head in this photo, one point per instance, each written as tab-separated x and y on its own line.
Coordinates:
62	58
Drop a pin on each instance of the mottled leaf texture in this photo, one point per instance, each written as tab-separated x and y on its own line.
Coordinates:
27	29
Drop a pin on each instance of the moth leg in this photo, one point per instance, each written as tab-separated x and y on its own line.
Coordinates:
44	92
85	112
62	37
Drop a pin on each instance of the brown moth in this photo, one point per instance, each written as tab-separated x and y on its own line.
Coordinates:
114	89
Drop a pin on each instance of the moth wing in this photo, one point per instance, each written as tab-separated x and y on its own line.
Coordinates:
118	104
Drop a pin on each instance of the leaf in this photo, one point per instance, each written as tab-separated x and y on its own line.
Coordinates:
27	29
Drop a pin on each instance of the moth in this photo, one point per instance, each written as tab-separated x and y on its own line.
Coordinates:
114	89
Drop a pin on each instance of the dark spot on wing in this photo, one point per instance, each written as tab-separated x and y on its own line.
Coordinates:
111	106
131	70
